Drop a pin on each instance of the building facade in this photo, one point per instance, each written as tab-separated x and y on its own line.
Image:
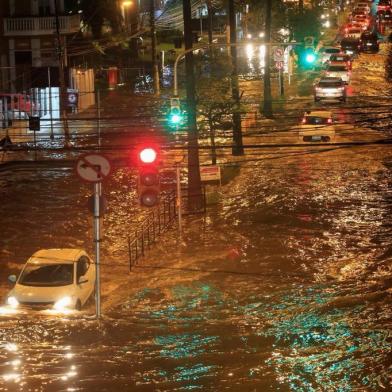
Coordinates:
28	39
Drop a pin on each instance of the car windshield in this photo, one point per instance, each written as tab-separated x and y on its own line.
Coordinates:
332	50
330	84
314	120
337	68
47	275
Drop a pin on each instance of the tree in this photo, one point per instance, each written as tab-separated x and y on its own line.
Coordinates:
215	104
96	13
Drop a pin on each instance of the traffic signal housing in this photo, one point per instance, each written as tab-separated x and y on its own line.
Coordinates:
175	112
148	184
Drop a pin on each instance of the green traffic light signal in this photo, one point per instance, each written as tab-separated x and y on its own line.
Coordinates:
175	118
310	58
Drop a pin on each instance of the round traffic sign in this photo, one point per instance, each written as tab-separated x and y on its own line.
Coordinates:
93	167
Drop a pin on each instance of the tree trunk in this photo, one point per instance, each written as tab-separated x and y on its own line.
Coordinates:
195	197
267	106
237	148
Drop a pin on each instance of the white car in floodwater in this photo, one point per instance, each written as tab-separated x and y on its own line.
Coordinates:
317	126
54	278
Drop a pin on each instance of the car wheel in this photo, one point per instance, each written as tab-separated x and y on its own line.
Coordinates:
344	99
326	139
78	305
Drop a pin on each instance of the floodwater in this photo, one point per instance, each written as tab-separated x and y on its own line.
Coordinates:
283	285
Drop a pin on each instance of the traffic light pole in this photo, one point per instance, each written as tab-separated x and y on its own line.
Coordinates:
179	201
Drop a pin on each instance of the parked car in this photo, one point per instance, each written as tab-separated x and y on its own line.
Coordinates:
350	46
338	70
54	278
341	58
317	126
330	88
369	42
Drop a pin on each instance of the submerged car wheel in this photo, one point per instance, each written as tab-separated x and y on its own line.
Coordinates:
325	138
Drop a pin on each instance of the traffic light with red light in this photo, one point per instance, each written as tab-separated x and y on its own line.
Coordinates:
148	177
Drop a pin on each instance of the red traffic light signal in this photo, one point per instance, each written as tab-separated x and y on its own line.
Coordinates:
148	177
148	155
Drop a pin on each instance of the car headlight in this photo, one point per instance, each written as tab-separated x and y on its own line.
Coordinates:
63	303
12	301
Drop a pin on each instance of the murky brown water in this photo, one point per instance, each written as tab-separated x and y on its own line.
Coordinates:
284	285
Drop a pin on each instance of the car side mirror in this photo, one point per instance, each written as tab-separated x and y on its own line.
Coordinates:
82	280
12	279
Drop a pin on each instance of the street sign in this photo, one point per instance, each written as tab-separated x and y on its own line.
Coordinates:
278	54
279	64
210	173
93	167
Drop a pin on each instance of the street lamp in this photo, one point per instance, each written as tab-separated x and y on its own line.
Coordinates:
124	5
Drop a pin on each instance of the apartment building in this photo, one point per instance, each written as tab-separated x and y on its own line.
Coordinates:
28	39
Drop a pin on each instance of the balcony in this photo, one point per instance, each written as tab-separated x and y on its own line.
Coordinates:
33	26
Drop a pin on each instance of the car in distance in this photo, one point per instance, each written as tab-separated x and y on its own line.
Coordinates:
330	88
341	58
325	53
350	46
317	126
353	33
54	278
369	42
338	70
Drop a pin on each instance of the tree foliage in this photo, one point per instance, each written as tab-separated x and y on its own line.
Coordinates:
97	13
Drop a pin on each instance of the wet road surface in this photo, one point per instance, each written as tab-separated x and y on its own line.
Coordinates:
284	285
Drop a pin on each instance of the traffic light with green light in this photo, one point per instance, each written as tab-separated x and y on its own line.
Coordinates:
175	117
148	184
307	58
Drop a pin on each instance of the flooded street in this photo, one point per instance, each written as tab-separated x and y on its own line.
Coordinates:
283	285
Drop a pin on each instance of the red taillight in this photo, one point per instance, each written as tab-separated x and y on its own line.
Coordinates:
329	121
304	120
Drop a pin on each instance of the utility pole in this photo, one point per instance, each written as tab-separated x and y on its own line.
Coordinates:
237	148
267	104
195	199
63	87
155	70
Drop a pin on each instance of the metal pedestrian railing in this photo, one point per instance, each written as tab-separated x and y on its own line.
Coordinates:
157	222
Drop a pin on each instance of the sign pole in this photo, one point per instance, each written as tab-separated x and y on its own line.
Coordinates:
281	78
97	223
179	201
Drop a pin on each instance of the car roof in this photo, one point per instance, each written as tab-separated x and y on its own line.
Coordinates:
319	113
54	256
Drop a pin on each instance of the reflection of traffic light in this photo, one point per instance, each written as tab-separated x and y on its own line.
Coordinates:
175	113
148	177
